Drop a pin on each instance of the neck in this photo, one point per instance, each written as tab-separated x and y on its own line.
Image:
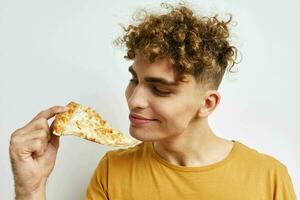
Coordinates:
196	146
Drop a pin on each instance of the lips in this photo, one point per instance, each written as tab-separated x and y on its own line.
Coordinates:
139	116
139	120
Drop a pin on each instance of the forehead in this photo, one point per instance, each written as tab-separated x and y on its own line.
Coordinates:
161	67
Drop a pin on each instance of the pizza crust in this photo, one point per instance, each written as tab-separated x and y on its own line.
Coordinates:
84	122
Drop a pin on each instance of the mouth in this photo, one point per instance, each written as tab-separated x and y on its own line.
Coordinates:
137	120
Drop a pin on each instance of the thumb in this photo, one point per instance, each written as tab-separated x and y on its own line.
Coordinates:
54	140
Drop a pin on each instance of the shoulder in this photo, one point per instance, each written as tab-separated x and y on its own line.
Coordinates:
266	167
255	158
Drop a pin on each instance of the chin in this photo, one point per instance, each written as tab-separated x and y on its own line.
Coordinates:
142	135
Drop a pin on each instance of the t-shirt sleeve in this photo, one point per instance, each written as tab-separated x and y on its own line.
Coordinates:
97	188
283	187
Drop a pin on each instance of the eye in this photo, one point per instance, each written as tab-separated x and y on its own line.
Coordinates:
159	92
154	89
133	80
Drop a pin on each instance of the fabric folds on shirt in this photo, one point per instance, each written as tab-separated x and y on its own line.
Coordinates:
140	173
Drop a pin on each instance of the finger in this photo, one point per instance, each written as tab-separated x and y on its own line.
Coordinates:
40	134
22	149
54	140
37	146
40	123
51	127
51	112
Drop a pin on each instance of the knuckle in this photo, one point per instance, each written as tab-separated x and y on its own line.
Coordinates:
13	148
39	115
53	109
44	134
38	144
17	132
42	121
14	143
56	107
14	138
42	113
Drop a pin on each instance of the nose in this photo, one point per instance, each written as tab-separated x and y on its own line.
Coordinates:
137	98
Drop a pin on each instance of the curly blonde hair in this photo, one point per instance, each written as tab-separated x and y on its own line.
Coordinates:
195	45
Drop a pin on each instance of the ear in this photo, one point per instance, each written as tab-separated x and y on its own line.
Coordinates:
210	101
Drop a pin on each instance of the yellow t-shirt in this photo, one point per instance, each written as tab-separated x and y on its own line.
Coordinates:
139	173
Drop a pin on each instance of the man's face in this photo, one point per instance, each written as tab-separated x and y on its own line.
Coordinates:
171	108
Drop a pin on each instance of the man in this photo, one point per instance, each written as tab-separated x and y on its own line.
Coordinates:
178	63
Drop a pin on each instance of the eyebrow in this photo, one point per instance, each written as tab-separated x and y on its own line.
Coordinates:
154	79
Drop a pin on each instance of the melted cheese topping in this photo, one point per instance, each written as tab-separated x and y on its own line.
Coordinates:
94	128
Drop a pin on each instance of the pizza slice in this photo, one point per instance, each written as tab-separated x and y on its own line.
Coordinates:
84	122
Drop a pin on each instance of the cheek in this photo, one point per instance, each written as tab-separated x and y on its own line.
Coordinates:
128	91
175	115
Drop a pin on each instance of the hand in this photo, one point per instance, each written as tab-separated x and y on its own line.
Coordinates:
33	149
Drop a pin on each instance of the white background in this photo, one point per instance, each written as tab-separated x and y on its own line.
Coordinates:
52	52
